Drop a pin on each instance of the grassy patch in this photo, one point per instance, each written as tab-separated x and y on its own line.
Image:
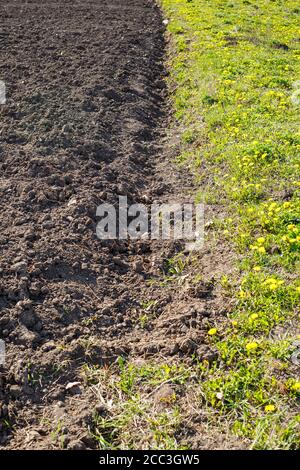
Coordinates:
133	416
235	68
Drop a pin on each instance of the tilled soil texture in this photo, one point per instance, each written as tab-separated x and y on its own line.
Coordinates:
82	123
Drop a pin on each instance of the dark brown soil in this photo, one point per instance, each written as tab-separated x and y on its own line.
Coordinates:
84	123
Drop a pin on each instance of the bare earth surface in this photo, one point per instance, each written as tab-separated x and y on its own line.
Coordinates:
82	124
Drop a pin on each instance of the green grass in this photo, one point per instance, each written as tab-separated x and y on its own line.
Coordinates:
131	417
234	67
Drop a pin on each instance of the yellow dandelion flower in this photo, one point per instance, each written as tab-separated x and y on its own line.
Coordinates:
212	331
269	280
254	316
269	408
261	240
251	346
296	387
273	286
257	269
